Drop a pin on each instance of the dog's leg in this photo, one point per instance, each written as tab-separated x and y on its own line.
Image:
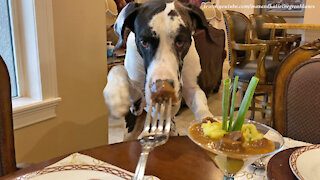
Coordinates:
193	95
121	93
116	92
136	73
132	134
125	89
126	84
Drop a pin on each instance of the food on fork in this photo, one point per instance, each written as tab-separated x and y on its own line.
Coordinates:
162	90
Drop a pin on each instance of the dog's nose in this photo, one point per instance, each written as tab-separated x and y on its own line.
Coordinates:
162	90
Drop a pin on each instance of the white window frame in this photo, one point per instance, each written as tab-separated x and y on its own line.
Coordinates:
36	63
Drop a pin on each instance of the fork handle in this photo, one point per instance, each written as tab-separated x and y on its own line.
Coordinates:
139	173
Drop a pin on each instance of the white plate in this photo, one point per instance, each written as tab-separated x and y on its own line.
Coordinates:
305	162
79	172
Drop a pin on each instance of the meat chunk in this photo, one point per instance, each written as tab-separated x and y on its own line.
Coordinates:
235	135
162	90
231	142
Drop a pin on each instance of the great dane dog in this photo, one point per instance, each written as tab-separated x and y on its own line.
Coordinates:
160	47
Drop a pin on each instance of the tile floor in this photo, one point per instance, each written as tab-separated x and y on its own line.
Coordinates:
183	119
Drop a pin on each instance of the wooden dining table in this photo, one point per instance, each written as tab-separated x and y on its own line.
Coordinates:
291	26
179	158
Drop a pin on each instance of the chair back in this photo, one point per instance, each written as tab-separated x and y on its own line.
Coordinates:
7	151
257	30
238	30
297	97
279	19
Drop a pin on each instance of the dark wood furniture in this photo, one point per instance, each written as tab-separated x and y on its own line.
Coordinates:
114	61
291	41
262	35
241	62
117	58
266	36
178	159
7	152
296	95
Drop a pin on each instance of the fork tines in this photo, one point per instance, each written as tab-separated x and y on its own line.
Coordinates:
160	122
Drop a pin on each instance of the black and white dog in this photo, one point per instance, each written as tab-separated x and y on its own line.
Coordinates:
160	46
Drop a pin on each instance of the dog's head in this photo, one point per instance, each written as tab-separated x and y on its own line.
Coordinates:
163	31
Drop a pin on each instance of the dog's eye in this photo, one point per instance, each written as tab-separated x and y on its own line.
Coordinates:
145	44
179	44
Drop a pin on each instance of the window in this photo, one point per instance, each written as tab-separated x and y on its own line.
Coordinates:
34	52
6	45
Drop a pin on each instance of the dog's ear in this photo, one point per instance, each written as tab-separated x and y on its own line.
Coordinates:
198	18
125	20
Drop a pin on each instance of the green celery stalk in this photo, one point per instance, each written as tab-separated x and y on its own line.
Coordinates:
235	86
225	103
237	125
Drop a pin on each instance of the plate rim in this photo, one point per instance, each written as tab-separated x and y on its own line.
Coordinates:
268	167
295	155
106	169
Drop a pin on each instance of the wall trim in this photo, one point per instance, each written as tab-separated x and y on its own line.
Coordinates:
35	54
32	111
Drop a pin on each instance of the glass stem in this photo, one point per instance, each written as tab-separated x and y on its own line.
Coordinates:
228	178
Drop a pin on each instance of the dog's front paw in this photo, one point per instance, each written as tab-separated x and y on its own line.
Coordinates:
116	93
117	99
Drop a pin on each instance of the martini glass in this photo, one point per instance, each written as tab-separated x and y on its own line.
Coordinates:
230	163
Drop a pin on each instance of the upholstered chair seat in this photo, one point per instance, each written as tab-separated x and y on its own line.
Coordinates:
281	56
247	69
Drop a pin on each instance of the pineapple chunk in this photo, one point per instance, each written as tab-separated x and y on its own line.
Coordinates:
213	130
250	132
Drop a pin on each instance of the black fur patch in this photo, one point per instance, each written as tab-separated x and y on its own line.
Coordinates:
130	121
130	117
173	13
180	91
137	104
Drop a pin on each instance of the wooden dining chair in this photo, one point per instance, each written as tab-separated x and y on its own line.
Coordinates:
7	150
283	32
290	41
245	65
296	95
265	35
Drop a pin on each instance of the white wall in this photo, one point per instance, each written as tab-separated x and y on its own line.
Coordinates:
312	17
81	122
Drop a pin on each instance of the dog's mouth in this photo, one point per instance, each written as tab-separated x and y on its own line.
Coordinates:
161	91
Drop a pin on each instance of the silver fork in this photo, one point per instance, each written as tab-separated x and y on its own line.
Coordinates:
155	133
